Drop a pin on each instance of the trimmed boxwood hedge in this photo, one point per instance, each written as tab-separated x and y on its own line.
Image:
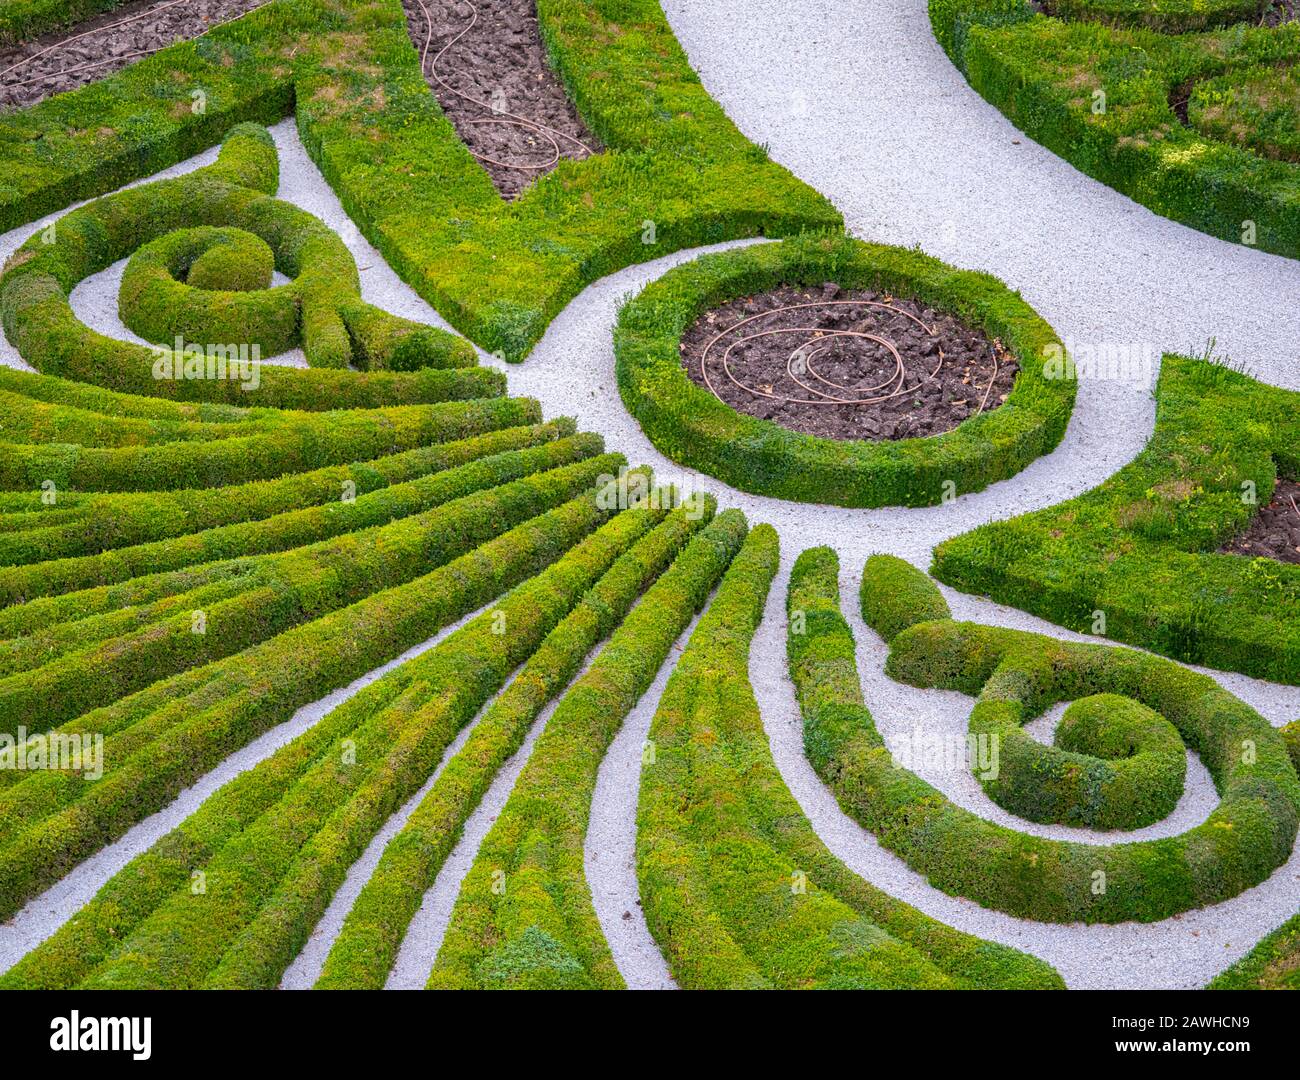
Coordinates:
288	589
696	429
1045	75
1247	837
160	740
83	525
498	271
376	926
412	711
738	889
22	20
1142	548
155	224
268	885
541	932
1172	16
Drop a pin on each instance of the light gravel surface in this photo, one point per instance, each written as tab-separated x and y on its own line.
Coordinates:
861	103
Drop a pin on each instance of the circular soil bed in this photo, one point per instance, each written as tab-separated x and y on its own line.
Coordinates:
929	381
847	364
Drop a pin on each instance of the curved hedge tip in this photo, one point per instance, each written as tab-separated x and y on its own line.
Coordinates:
698	430
896	595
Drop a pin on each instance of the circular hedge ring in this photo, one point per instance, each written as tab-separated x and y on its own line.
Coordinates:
697	430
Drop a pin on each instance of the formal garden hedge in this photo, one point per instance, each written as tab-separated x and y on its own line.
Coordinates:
1141	550
738	889
1106	99
676	172
540	931
1015	676
696	429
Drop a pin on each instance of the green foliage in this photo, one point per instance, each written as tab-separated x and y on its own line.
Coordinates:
1142	548
737	888
1103	98
895	595
161	739
693	427
540	930
367	945
499	272
1016	675
1273	964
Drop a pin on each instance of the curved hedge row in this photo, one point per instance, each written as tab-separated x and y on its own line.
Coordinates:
738	889
285	590
1273	964
1142	548
1240	844
540	930
499	272
287	847
1104	100
1171	16
161	739
373	932
280	532
696	429
84	525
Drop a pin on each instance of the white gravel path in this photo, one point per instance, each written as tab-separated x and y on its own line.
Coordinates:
861	103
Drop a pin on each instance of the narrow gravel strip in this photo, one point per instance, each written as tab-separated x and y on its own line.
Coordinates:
47	912
307	967
609	849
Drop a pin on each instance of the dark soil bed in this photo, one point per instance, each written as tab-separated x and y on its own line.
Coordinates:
497	87
91	50
947	367
1274	532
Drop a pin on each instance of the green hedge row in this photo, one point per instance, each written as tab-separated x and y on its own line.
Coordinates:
1171	16
1240	844
1115	764
443	685
292	588
296	528
117	629
737	887
696	429
524	917
376	926
677	173
1273	964
102	522
1102	98
1141	549
267	886
162	739
237	460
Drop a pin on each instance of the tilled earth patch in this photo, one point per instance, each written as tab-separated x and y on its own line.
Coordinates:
847	364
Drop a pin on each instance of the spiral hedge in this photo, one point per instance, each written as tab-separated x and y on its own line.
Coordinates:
738	889
1142	547
698	430
1014	676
